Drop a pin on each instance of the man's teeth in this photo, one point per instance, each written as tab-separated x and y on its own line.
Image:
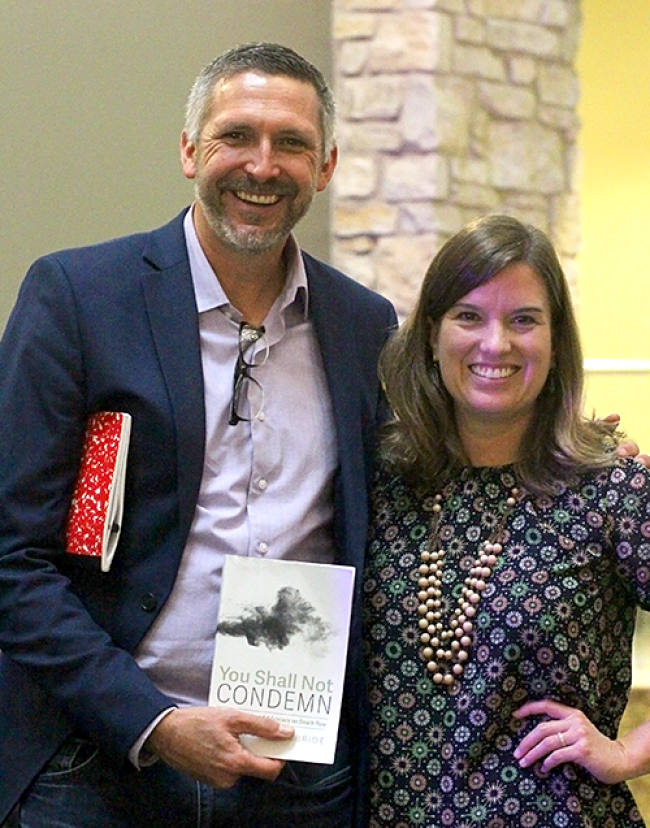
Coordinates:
257	199
492	373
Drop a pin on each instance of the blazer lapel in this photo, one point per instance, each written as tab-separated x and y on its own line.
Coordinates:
335	332
169	297
336	336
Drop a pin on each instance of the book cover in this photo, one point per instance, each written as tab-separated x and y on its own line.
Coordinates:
281	649
94	519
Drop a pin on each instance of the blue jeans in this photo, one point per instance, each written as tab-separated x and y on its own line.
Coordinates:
80	788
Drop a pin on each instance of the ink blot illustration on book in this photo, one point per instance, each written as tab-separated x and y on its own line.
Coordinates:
275	626
283	652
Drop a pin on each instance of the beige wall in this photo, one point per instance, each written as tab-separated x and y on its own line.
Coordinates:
91	107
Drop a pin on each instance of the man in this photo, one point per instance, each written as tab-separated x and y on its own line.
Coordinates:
104	675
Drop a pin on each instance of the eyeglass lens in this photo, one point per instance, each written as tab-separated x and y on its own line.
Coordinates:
248	336
248	395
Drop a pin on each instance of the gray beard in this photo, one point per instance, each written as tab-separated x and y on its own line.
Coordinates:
250	241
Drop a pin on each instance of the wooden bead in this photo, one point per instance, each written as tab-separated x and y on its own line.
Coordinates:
451	646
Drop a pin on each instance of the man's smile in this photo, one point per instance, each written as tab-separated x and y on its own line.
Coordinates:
256	198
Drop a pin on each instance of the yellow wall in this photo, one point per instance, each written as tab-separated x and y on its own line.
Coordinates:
614	185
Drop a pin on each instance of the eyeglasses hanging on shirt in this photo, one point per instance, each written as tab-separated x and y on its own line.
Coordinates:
247	394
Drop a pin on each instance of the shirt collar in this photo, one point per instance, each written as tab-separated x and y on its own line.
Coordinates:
209	293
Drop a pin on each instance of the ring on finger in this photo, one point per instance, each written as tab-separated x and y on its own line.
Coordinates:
560	736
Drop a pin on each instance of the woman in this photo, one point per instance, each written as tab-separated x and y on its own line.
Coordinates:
510	550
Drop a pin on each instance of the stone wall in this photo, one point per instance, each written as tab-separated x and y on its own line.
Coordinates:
449	109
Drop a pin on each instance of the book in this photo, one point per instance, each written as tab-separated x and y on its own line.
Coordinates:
94	520
281	650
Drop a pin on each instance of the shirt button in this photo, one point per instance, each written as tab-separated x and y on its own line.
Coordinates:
263	483
263	548
149	602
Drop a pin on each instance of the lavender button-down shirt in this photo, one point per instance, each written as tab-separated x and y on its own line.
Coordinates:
267	484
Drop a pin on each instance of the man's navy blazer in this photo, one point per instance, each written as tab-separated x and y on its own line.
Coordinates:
115	326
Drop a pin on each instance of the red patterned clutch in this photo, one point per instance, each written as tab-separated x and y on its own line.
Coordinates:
94	520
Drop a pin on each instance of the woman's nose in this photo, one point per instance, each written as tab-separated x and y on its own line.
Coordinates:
496	338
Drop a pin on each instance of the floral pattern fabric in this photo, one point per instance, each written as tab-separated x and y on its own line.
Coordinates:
556	621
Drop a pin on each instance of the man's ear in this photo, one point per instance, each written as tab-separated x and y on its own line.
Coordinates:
327	170
188	156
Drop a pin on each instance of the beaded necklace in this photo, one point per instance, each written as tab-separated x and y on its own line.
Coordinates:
445	651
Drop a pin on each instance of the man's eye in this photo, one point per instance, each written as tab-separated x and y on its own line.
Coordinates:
294	142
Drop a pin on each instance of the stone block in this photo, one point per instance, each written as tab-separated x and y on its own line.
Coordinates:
506	101
479	129
469	29
453	6
372	97
469	170
351	57
366	217
564	120
374	5
429	217
522	70
478	61
356	176
558	85
526	10
436	113
353	26
566	224
526	213
415	177
412	41
527	38
400	263
526	157
570	38
368	136
358	266
557	13
483	199
476	7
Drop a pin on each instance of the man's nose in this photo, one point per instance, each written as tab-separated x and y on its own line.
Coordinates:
262	161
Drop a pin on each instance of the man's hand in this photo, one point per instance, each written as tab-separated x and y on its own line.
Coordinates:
628	448
204	742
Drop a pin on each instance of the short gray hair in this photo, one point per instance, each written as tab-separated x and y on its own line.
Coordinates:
267	59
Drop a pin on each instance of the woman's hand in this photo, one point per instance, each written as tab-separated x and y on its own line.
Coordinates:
567	735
